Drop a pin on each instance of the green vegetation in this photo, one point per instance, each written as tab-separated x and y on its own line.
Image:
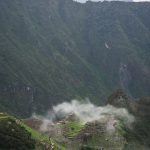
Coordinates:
107	140
14	134
51	51
73	128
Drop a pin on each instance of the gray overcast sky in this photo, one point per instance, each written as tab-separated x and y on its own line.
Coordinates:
83	1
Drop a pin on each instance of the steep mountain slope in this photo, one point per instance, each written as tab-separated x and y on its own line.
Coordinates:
56	50
14	134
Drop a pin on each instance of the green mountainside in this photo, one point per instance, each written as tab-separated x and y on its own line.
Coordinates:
56	50
16	135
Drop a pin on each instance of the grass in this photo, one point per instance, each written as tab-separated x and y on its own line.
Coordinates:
35	135
73	128
42	138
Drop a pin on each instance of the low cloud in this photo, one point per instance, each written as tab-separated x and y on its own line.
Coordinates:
86	112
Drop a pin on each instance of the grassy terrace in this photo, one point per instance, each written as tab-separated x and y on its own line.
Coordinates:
73	128
13	131
42	138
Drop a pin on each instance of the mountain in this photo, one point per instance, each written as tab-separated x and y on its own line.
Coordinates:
56	50
14	134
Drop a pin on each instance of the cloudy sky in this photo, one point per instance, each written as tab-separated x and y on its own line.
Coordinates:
83	1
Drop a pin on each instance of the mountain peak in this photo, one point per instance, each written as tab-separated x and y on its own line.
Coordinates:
119	99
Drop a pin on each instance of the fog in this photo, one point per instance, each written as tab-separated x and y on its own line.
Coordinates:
86	112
